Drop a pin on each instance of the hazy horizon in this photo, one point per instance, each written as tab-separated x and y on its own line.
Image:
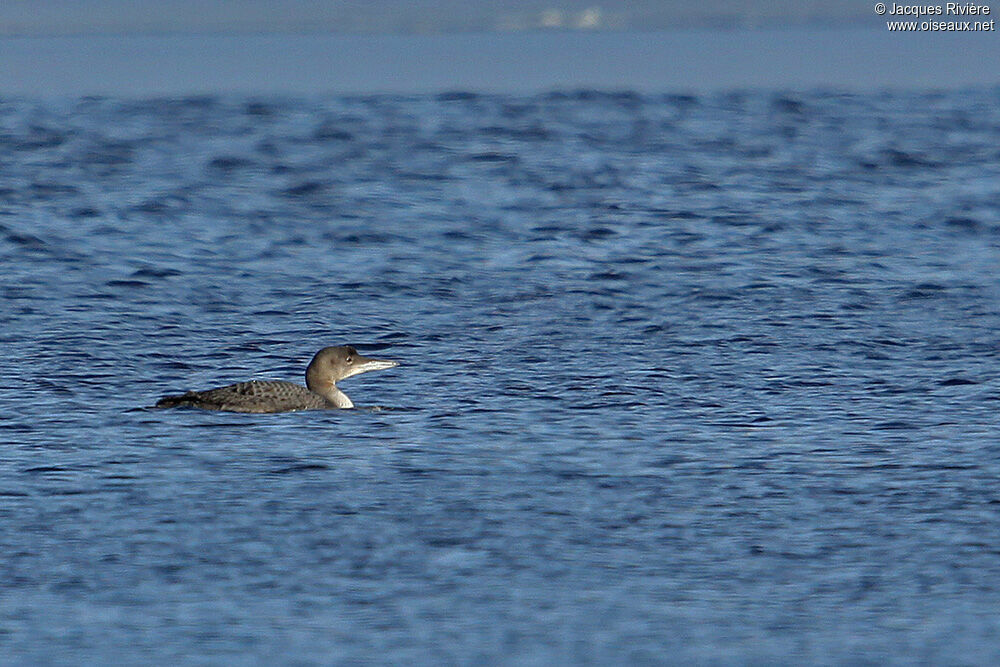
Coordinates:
177	47
123	17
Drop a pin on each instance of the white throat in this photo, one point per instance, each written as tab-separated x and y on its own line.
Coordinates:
330	392
337	397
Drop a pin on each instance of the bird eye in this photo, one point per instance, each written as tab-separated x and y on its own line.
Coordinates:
349	359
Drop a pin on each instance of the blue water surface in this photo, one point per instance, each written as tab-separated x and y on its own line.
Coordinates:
683	378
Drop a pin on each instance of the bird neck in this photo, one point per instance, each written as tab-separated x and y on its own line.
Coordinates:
337	397
329	391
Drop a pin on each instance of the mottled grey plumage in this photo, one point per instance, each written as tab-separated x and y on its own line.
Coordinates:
330	365
253	396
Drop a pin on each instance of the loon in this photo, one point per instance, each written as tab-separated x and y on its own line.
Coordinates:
330	365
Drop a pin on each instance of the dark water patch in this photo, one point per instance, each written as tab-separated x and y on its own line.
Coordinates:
899	158
758	422
925	291
307	189
167	205
673	214
598	233
299	468
965	224
109	154
127	283
895	425
26	241
43	470
609	275
155	272
458	96
331	131
228	164
525	133
421	176
361	239
956	382
37	139
260	109
494	158
52	190
85	212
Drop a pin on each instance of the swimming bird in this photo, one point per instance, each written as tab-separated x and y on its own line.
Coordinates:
329	366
